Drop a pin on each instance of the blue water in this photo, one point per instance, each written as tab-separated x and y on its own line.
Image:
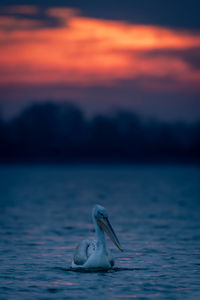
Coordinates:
46	210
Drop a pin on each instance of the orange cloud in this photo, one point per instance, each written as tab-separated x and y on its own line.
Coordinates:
88	51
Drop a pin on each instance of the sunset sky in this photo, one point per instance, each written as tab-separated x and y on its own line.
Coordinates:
129	54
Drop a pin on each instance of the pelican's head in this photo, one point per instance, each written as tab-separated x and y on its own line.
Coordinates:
101	217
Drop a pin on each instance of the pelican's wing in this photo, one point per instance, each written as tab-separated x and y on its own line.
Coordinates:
92	247
81	252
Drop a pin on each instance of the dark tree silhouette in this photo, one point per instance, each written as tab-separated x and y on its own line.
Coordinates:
60	133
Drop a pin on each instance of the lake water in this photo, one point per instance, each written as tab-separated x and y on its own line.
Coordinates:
46	210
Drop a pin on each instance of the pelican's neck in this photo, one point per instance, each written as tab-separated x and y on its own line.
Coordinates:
100	235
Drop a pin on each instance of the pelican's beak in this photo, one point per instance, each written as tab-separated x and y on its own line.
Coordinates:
106	226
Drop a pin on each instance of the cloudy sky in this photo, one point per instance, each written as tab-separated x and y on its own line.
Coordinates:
140	55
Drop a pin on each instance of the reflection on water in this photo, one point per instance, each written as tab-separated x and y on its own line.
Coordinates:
46	211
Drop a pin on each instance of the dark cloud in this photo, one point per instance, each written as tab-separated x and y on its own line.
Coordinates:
184	14
190	56
38	19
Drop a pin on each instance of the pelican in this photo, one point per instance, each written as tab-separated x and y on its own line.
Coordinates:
93	253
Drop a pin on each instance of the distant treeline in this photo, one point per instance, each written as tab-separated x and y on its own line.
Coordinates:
60	133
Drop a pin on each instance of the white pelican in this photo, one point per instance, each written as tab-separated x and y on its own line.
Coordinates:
93	253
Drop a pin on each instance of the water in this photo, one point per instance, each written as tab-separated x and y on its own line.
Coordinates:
46	210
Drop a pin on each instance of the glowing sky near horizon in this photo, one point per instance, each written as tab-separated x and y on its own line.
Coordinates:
86	52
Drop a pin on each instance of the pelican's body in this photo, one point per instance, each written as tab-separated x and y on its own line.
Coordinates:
93	253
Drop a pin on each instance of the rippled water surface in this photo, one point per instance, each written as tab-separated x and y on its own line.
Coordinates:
46	210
